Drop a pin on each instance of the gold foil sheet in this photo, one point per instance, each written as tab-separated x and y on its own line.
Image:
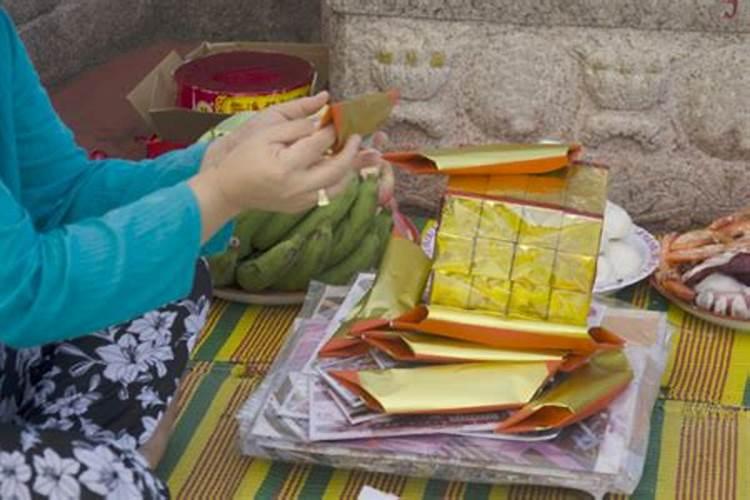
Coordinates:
454	387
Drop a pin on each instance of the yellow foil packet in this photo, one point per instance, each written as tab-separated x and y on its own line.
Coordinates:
580	235
454	254
533	265
492	259
489	294
450	290
453	388
529	302
574	272
460	216
569	307
500	220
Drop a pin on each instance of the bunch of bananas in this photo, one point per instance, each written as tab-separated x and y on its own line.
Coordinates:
284	252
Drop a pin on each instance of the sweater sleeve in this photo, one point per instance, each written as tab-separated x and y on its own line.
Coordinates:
91	274
60	185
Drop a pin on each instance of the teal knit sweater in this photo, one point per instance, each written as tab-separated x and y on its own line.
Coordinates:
83	244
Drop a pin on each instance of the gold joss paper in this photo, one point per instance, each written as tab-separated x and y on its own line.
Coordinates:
468	387
489	294
587	390
569	307
460	216
528	302
521	243
533	265
540	227
492	259
574	272
450	289
500	220
580	235
453	254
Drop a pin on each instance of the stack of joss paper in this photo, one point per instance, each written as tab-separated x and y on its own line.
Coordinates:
499	320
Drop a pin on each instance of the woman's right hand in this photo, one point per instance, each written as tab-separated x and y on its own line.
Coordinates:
278	168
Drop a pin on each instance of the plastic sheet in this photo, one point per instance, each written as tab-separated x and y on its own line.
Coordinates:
604	453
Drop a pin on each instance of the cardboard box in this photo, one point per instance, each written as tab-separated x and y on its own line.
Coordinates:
154	98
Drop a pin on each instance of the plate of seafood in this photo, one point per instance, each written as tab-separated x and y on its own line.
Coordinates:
706	272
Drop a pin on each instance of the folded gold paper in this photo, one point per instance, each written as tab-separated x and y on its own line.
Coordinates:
493	154
580	235
589	389
409	346
474	318
466	387
398	288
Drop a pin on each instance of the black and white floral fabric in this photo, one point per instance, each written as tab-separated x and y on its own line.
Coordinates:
73	414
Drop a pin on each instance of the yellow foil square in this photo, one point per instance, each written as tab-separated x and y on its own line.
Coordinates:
540	227
492	259
574	272
500	220
580	235
460	216
490	294
450	290
454	254
528	302
569	307
533	265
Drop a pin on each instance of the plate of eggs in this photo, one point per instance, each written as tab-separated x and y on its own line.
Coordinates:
628	253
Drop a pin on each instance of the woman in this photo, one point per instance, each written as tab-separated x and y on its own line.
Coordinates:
93	247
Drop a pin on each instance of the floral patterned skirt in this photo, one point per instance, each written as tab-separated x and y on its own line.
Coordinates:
73	414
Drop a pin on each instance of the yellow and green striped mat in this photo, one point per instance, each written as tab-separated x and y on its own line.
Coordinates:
699	443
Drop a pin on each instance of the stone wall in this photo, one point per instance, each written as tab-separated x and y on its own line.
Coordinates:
658	90
65	36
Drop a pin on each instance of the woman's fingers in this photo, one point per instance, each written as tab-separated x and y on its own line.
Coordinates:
300	108
290	131
309	150
330	171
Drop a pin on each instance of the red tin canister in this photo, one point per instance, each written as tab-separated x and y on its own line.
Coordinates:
231	82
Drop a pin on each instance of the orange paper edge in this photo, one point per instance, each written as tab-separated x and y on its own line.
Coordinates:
414	162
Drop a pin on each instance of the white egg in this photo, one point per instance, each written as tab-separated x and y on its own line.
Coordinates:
604	271
617	222
625	260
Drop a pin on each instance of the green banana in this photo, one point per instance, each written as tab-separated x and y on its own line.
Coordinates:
361	259
257	274
276	228
311	261
222	265
332	213
350	231
383	227
247	225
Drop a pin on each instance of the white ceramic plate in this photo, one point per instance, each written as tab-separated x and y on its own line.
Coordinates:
648	248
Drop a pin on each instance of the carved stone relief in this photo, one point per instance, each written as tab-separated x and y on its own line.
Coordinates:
668	111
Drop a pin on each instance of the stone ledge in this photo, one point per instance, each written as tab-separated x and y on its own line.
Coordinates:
727	16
